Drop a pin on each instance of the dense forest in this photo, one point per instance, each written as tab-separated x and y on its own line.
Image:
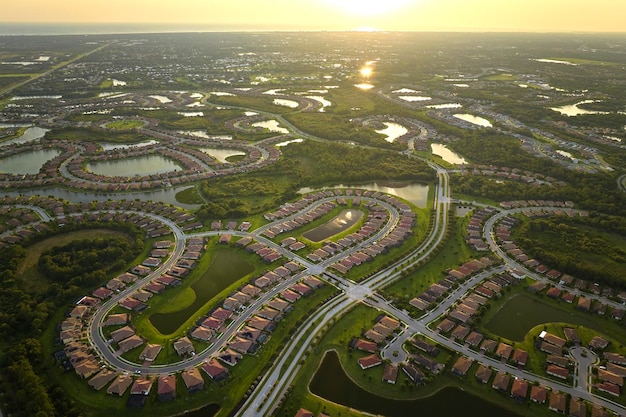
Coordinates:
87	261
25	311
592	249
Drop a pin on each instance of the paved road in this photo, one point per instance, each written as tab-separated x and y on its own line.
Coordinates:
584	358
265	397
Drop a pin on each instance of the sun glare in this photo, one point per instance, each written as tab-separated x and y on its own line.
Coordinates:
366	72
369	7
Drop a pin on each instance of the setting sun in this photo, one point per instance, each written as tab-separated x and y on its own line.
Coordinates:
369	7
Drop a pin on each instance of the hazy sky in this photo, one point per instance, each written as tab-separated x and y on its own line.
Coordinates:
411	15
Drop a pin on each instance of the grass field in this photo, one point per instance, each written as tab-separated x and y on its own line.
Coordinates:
124	124
522	312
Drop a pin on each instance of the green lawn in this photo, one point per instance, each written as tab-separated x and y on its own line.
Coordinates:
124	124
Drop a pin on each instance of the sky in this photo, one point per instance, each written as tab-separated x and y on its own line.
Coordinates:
388	15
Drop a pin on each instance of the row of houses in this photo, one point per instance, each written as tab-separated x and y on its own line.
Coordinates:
370	342
165	386
524	391
503	173
258	328
435	291
73	328
265	252
473	230
289	209
375	221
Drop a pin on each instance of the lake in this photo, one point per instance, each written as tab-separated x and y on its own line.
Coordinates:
203	134
30	134
286	103
331	383
222	155
111	146
343	221
161	99
414	193
227	267
571	110
415	98
393	131
446	154
287	142
445	106
165	195
27	162
130	167
271	125
325	103
473	119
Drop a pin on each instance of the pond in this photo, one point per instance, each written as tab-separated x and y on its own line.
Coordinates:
129	167
227	267
166	195
111	146
331	383
445	106
411	99
473	119
364	86
405	91
393	131
30	134
554	61
27	162
342	222
446	154
572	110
203	134
287	142
222	155
325	103
271	125
414	193
161	99
520	313
286	103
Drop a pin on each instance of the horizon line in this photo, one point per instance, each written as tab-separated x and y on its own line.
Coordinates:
223	28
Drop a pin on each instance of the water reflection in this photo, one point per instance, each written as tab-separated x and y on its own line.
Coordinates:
343	221
393	131
415	98
415	193
222	155
166	196
331	383
322	101
446	154
573	109
27	162
473	119
130	167
112	146
271	125
286	103
30	134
